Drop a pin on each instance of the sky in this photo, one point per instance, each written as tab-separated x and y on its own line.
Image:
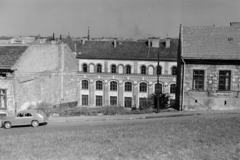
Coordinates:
113	18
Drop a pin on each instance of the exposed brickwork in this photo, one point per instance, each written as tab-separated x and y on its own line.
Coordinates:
211	98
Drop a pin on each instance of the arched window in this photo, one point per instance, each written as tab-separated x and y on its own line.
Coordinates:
150	70
113	69
160	88
84	67
159	70
120	69
143	70
84	84
99	85
143	87
174	70
128	69
173	88
99	68
113	86
128	86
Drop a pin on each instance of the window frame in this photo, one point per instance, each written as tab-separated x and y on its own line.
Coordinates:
113	87
99	68
85	100
128	102
113	68
143	89
224	80
128	69
99	85
85	68
113	100
143	70
3	93
85	85
174	70
198	78
99	100
173	89
128	86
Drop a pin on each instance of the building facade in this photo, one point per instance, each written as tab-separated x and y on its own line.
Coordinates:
124	73
35	74
210	68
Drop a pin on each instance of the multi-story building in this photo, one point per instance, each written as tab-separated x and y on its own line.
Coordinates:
124	73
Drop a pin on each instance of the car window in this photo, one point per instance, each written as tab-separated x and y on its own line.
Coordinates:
20	115
28	114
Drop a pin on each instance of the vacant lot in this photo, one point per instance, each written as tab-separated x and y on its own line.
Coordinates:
197	137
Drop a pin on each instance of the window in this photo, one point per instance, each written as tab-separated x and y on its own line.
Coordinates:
143	70
160	88
128	102
113	69
113	86
143	87
128	69
28	115
3	98
99	85
84	68
99	68
128	86
142	102
174	70
84	84
113	100
98	100
198	79
159	70
85	100
224	80
173	88
20	115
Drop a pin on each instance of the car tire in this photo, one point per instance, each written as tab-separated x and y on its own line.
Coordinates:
7	125
35	123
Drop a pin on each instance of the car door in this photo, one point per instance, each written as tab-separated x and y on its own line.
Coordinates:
18	120
27	119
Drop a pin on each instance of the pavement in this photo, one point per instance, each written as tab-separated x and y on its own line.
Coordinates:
139	116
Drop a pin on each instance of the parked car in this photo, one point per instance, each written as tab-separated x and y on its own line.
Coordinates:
25	117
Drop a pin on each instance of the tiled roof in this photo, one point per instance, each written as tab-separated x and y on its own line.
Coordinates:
126	50
211	42
10	54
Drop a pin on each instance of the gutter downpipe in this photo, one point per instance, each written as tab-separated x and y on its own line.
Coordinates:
183	83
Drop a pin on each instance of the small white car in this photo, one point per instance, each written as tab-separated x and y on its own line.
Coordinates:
25	117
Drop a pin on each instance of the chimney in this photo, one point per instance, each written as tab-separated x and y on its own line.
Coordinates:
60	37
53	37
235	24
149	42
155	42
167	43
115	43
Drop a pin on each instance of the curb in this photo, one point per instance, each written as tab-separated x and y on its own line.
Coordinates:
136	117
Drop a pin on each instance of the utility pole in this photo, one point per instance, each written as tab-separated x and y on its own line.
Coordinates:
158	85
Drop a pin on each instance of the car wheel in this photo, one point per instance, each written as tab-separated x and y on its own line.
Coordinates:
7	125
35	123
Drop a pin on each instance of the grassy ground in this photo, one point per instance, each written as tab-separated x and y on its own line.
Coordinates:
186	138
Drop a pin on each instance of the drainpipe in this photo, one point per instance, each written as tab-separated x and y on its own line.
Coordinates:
183	83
